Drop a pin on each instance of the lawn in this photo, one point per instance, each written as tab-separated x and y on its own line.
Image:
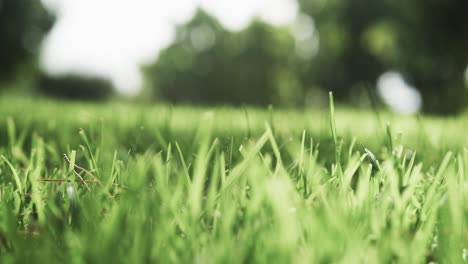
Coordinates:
123	183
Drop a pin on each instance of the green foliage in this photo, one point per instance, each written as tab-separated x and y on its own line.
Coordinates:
74	86
23	24
432	42
425	40
347	60
357	40
210	65
185	184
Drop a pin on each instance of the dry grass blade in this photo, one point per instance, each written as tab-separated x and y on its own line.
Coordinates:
78	181
81	168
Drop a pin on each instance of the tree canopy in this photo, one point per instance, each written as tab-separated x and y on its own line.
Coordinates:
426	40
23	24
358	40
207	64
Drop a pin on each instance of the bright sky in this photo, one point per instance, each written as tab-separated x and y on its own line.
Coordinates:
398	94
111	38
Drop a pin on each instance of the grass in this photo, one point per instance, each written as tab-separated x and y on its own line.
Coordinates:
162	184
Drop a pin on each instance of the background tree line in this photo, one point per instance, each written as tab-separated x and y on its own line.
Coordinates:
351	43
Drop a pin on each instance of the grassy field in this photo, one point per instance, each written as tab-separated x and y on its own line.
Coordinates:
121	183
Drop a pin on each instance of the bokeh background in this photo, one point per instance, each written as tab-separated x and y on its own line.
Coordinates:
408	56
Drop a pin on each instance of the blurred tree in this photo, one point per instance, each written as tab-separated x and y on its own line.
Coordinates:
208	64
23	24
348	58
75	87
424	39
433	46
358	40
